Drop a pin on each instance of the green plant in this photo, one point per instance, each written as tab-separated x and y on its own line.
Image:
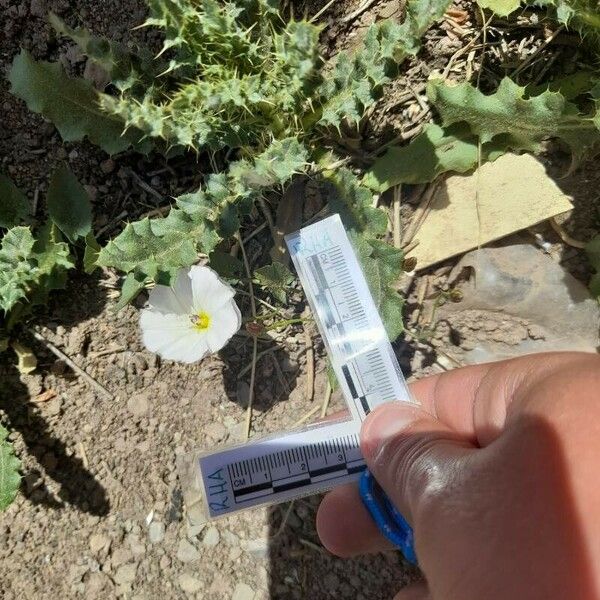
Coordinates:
9	471
34	259
230	75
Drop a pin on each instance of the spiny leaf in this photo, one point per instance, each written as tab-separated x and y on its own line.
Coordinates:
528	121
9	471
276	278
502	8
132	286
124	68
69	205
382	265
158	248
434	151
354	203
17	267
157	256
13	203
30	268
356	81
71	104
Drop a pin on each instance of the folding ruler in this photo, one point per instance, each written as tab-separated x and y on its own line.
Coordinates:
297	463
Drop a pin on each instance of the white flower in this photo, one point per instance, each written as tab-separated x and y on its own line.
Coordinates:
197	316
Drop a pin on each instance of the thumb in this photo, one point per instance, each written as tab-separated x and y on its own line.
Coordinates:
411	454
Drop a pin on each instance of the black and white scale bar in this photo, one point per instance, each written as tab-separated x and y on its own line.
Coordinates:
296	463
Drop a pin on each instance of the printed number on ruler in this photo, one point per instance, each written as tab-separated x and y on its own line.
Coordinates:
322	456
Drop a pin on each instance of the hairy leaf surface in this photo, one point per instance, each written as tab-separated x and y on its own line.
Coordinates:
434	151
69	205
528	121
71	104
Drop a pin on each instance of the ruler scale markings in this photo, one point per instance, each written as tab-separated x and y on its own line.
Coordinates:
297	463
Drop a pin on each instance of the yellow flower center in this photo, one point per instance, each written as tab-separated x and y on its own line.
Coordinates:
201	321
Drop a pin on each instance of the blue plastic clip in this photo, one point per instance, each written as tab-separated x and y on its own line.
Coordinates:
387	517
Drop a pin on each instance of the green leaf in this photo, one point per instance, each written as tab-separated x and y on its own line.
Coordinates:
90	254
276	278
69	205
592	250
134	283
30	268
13	203
17	267
124	68
157	255
382	265
9	471
158	248
354	203
526	121
71	104
502	8
226	265
435	151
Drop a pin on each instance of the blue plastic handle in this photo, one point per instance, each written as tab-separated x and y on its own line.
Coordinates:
387	517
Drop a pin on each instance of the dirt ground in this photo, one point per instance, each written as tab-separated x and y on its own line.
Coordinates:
101	512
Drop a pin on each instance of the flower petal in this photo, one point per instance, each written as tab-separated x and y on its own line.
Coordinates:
172	336
209	291
224	322
176	300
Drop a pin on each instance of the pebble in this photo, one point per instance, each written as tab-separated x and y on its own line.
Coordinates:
138	405
217	431
243	591
98	542
189	584
211	537
186	552
258	548
156	532
125	574
107	166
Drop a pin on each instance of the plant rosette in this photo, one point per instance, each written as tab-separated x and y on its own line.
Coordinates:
195	317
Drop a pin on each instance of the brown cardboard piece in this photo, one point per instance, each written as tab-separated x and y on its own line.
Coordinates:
507	195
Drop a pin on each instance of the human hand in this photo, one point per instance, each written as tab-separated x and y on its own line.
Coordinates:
496	472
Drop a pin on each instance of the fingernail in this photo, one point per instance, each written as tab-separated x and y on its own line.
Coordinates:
384	424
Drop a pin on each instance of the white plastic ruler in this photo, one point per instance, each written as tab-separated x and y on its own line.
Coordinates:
317	458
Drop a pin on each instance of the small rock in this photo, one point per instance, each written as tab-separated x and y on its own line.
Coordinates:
125	574
258	548
121	556
156	532
186	552
53	407
243	591
38	8
217	431
230	538
95	583
211	537
235	553
99	542
107	166
138	405
189	584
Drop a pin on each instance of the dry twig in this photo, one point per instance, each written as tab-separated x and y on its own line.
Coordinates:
102	391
